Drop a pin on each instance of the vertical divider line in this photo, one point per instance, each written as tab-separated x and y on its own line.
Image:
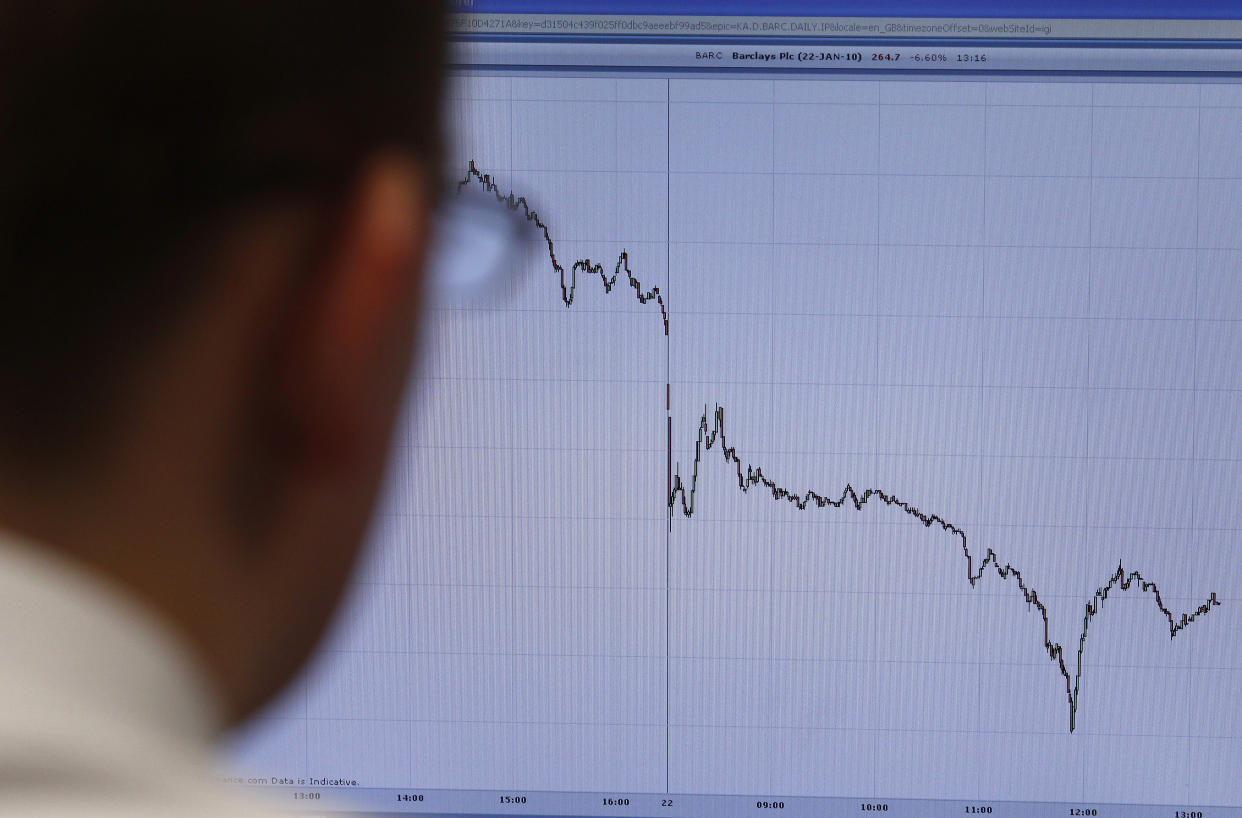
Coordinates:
668	406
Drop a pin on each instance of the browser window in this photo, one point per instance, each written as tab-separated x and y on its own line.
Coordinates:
853	428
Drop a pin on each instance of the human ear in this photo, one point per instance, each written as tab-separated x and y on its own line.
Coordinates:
359	322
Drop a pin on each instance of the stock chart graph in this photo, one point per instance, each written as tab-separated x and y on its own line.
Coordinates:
713	435
832	438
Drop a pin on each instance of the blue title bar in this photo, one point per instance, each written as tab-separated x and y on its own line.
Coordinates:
1083	9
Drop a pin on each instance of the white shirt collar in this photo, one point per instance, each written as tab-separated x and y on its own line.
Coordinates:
70	636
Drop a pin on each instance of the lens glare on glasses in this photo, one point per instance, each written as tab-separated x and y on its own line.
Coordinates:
476	249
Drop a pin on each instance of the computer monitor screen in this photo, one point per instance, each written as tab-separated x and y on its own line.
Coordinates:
854	424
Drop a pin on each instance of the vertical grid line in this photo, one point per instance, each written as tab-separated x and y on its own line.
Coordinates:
1194	390
1091	256
770	652
985	323
875	385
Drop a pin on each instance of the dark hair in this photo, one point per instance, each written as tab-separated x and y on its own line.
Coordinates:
127	129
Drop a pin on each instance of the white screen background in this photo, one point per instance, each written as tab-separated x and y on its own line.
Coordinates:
1014	305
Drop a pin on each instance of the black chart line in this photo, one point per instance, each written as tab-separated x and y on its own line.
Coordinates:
711	434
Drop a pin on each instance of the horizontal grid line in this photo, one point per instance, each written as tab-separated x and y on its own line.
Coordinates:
809	520
865	104
866	174
913	316
871	244
701	726
834	384
758	590
757	452
659	657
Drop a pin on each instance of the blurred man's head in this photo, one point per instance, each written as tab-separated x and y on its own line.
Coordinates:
212	223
